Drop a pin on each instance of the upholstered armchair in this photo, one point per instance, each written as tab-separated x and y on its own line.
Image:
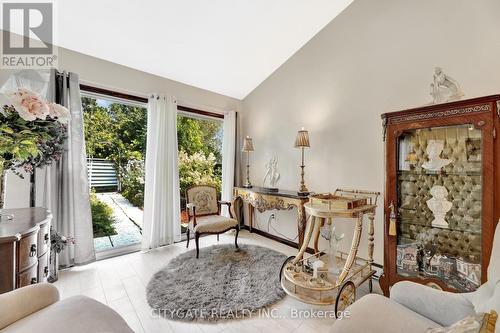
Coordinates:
414	307
204	211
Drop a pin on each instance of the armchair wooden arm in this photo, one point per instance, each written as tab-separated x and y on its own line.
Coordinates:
192	206
228	204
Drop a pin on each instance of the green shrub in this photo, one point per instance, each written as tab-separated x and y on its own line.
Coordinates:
102	217
133	183
197	169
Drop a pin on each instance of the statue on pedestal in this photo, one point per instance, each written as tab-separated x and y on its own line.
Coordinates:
439	206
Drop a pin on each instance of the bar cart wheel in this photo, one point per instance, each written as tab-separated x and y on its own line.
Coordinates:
284	264
345	297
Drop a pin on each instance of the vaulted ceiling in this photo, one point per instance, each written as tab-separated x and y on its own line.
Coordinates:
225	46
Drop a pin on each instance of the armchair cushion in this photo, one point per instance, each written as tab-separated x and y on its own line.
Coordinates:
20	303
443	307
212	224
375	313
204	198
77	314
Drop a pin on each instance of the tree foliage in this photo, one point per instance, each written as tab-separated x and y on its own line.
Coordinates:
117	132
200	136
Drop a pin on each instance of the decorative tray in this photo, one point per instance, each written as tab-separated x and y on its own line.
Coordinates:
336	202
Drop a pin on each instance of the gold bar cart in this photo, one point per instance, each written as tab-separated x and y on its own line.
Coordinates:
337	289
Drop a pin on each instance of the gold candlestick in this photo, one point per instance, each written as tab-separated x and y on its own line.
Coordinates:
248	147
302	142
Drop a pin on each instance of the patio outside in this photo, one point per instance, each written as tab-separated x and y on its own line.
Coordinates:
115	135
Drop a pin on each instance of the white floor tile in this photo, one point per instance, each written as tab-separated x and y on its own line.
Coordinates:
121	283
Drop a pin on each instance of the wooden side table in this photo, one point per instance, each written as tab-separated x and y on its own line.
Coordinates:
264	200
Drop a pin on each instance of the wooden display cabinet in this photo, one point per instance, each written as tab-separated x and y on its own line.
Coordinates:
442	193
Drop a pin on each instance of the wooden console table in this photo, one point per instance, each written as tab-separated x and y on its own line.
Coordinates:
263	200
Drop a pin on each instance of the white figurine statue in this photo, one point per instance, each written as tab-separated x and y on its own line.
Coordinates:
439	206
435	162
444	88
272	175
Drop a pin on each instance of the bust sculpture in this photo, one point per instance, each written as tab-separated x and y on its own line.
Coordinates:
439	205
444	88
435	162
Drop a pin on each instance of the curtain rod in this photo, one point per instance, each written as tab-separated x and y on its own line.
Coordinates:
102	91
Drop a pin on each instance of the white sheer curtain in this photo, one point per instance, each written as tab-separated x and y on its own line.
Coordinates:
161	224
228	156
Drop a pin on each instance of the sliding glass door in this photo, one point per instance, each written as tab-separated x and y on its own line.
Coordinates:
115	136
200	154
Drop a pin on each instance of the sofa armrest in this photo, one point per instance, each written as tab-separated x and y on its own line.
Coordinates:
23	302
442	307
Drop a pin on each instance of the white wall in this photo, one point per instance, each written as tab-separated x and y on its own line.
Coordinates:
375	57
115	77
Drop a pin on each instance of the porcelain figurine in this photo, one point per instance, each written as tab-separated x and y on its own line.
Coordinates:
444	88
439	206
435	162
272	175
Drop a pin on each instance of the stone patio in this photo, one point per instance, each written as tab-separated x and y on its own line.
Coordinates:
127	225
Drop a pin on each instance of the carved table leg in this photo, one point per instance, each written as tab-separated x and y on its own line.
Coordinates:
371	244
250	216
351	258
316	235
307	238
301	223
371	237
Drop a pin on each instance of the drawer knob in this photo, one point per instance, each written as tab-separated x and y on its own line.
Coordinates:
33	250
46	238
33	280
46	271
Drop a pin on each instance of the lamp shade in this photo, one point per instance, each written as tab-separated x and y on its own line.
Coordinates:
247	144
302	139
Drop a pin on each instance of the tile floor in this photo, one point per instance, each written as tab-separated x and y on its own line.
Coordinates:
120	283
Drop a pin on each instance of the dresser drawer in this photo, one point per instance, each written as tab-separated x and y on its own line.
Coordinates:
27	277
27	251
43	268
43	238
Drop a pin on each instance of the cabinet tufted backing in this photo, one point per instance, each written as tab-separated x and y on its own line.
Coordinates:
461	178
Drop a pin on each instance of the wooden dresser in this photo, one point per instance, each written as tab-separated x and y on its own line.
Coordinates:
24	248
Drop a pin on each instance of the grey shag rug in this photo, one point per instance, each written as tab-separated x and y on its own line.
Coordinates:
222	284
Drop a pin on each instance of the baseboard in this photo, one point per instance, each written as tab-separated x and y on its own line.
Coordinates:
276	238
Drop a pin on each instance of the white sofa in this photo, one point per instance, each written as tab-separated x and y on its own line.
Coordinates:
414	307
37	308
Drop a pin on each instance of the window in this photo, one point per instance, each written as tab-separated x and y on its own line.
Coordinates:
200	154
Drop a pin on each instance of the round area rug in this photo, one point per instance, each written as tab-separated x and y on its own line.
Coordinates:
222	284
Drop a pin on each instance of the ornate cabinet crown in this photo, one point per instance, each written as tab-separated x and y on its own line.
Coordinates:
442	196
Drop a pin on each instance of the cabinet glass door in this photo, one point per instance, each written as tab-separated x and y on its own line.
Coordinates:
439	205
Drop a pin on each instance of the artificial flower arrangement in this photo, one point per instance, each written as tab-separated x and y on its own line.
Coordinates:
58	242
32	133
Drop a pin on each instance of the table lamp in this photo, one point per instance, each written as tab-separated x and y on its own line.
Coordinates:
247	148
302	141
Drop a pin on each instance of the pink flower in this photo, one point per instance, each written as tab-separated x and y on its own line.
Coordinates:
59	112
29	105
